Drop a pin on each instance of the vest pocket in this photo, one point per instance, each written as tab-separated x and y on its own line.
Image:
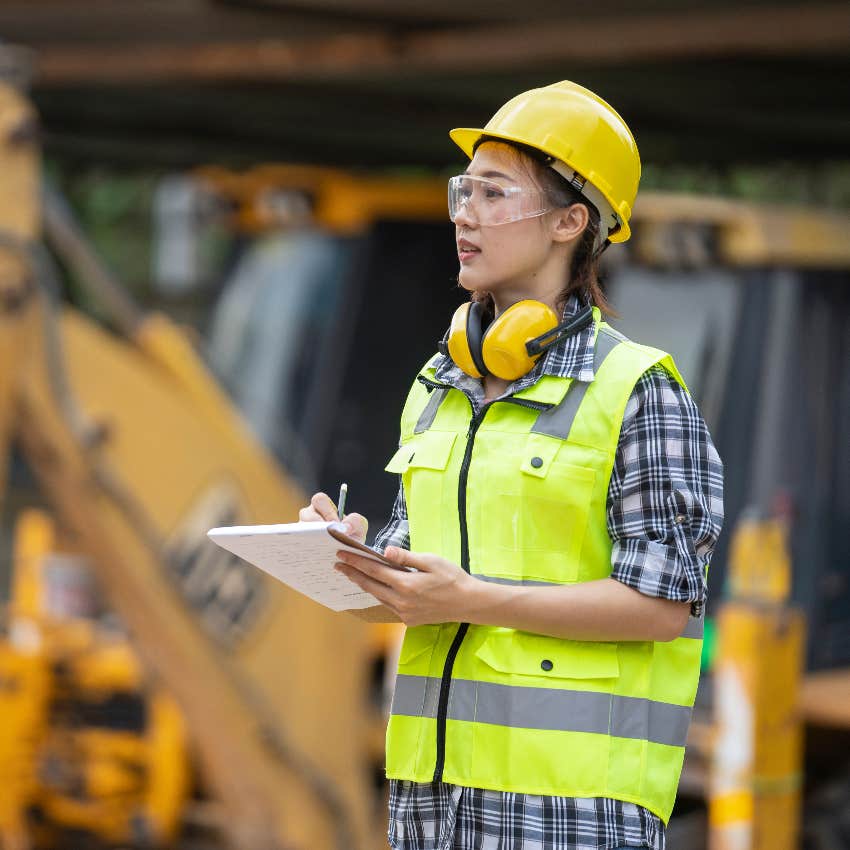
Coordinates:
546	507
422	461
527	654
541	712
417	641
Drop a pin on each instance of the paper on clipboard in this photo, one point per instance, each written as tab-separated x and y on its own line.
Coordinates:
302	556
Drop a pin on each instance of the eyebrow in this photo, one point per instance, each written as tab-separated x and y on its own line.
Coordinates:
489	174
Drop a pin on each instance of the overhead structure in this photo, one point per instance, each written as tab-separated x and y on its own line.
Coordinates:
366	83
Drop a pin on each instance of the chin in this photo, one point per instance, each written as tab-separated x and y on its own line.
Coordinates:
470	282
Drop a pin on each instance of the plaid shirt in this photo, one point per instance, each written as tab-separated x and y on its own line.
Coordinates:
665	510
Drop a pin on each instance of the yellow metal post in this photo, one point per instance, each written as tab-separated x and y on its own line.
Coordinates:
756	769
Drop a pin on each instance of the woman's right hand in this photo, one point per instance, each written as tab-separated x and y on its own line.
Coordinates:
322	509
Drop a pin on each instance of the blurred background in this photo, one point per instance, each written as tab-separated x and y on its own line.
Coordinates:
224	253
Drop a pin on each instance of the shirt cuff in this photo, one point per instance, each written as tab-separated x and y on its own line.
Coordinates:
656	569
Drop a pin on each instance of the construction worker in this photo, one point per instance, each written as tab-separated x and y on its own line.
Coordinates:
560	500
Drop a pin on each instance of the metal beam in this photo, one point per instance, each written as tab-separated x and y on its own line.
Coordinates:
769	30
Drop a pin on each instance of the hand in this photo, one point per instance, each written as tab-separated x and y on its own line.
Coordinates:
322	509
439	592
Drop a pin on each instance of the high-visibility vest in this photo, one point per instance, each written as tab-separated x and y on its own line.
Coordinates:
517	495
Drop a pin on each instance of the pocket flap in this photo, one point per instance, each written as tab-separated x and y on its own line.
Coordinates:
400	460
432	449
540	451
528	654
428	450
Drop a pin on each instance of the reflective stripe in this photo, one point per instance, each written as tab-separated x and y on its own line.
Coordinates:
546	708
516	581
695	628
558	421
426	418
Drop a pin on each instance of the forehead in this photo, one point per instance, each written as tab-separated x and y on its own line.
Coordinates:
495	161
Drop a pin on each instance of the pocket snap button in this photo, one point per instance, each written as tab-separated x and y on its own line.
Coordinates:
537	462
546	664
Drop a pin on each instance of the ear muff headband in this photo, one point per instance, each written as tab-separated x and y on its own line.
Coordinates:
572	326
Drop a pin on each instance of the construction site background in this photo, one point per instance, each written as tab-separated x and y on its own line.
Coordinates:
224	247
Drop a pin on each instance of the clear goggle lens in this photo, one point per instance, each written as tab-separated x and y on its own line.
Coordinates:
490	203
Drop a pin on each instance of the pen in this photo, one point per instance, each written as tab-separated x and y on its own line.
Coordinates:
343	492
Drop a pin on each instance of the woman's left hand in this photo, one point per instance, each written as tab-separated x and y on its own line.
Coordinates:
436	593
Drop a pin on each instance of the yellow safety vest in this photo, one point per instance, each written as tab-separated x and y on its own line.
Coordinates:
517	495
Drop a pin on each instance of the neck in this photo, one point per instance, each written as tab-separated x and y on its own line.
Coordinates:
544	284
508	297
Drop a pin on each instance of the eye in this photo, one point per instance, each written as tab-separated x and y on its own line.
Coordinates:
493	192
465	189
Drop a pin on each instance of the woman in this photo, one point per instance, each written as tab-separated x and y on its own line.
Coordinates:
559	503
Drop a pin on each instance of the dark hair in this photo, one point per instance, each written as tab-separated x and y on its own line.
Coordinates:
584	269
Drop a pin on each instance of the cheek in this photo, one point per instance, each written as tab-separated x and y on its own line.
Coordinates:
517	251
505	254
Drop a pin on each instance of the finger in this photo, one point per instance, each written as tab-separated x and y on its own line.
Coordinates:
324	507
386	575
357	525
380	591
309	514
405	558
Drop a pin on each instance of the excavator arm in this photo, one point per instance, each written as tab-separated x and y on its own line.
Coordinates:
139	452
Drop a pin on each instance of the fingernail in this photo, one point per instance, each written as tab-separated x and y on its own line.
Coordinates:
349	527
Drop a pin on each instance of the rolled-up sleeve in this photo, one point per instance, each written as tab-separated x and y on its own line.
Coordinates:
665	498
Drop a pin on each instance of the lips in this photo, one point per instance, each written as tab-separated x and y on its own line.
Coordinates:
466	250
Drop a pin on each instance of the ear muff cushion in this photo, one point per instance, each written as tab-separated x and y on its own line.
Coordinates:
503	345
475	335
457	342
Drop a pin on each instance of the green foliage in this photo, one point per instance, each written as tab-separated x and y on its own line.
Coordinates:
824	185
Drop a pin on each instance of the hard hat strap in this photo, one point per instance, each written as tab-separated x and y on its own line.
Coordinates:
608	219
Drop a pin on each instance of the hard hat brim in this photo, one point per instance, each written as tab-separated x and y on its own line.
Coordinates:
466	137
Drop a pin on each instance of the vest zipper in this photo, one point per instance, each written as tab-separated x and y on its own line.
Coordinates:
431	385
527	402
463	628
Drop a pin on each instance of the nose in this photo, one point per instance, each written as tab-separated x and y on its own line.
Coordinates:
465	216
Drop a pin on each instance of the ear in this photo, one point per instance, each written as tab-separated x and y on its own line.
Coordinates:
569	223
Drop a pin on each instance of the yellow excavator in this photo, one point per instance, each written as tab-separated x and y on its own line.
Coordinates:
138	452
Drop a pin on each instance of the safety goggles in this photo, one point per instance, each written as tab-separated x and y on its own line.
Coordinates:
490	203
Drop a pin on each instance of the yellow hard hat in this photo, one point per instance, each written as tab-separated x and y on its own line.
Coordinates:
590	144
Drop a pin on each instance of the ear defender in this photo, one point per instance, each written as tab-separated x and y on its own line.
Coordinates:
503	346
501	349
464	339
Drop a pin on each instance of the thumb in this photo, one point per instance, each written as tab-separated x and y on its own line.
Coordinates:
357	526
402	557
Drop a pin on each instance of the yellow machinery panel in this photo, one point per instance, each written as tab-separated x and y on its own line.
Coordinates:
139	453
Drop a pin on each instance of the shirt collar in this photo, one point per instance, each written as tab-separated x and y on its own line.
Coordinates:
568	358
